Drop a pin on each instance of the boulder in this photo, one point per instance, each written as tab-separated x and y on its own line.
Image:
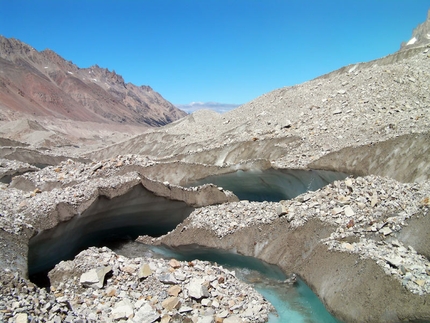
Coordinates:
196	289
94	277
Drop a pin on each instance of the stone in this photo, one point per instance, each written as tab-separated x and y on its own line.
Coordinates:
179	275
396	261
174	290
396	243
349	212
350	224
21	318
184	309
167	278
205	302
165	318
252	310
420	282
374	199
146	314
233	319
281	210
347	246
206	319
111	291
94	277
196	289
348	182
123	310
385	231
174	263
337	210
287	124
223	314
170	303
144	271
129	269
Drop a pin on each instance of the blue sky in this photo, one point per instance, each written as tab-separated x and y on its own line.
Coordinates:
229	51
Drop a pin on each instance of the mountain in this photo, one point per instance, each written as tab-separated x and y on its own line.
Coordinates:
316	124
45	84
420	35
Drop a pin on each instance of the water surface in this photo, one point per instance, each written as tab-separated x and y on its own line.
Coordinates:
272	185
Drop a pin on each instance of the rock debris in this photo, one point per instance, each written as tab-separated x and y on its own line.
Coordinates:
134	290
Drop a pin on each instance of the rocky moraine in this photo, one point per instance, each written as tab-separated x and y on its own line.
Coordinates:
361	244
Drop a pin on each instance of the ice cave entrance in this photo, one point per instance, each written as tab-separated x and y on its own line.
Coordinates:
140	212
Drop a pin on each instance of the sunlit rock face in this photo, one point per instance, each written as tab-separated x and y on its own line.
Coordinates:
272	184
137	212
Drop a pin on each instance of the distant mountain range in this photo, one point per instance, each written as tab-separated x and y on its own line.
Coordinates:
218	107
44	84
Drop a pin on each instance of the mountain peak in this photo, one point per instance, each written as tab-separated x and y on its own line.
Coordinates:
11	47
420	35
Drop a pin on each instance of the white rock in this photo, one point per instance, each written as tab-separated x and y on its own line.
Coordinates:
146	314
196	289
21	318
122	310
233	319
206	319
94	277
386	231
348	211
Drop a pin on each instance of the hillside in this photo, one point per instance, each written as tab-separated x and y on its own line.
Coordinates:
44	84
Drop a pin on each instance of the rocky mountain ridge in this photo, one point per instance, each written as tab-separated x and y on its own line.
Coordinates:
44	84
420	35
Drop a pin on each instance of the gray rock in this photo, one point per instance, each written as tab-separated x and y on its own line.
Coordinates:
167	278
